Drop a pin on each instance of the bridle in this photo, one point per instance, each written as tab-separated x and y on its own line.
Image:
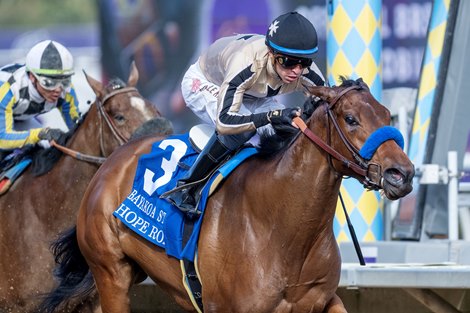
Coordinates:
103	115
370	173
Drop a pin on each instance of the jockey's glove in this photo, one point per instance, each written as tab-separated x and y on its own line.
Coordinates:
284	116
50	134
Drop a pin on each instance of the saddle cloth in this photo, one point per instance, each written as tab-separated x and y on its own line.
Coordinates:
157	220
12	166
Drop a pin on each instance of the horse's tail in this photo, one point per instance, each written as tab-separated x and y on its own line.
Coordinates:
76	284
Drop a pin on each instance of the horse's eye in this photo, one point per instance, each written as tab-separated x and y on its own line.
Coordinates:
351	120
120	118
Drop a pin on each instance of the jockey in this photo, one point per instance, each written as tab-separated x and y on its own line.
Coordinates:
233	83
26	91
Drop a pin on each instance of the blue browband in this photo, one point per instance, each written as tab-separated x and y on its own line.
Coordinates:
379	137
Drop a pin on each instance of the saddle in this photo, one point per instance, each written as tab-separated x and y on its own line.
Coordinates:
199	136
12	166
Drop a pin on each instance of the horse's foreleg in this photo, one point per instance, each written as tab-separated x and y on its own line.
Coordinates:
113	284
111	270
335	306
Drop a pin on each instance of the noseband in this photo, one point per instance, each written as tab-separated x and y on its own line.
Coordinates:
102	115
370	173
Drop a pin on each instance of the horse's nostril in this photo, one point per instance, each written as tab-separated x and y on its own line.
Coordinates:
394	176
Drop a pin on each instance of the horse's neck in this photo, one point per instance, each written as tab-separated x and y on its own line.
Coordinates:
311	177
86	139
303	194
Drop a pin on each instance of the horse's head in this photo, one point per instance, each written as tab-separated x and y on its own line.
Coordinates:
355	124
122	109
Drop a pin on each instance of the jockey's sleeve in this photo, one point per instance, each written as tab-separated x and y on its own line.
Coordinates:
313	77
9	138
69	108
232	91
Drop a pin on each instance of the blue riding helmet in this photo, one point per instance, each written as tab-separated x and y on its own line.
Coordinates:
293	35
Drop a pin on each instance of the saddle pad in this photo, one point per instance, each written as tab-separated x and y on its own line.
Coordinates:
9	176
155	219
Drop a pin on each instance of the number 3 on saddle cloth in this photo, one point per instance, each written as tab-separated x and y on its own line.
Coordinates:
157	172
11	167
162	223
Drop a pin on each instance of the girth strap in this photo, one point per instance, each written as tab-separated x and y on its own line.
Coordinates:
191	281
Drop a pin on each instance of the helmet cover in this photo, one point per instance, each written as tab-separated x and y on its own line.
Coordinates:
49	58
293	35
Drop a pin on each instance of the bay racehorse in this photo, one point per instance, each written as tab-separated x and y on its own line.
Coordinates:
266	242
35	209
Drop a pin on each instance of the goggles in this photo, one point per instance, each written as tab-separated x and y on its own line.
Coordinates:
289	63
51	83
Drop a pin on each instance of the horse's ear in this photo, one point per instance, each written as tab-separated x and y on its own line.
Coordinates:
322	92
362	83
133	76
95	85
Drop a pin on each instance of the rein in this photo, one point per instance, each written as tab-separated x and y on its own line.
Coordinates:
327	148
77	155
370	173
102	115
359	169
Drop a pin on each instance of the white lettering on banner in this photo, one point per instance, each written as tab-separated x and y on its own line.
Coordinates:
386	31
146	206
157	235
403	30
122	210
132	195
168	165
161	217
411	20
401	64
142	203
130	217
144	227
141	226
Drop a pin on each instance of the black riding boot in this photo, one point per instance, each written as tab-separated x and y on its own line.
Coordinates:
212	154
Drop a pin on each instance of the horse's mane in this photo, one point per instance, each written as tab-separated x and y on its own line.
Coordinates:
272	143
348	82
